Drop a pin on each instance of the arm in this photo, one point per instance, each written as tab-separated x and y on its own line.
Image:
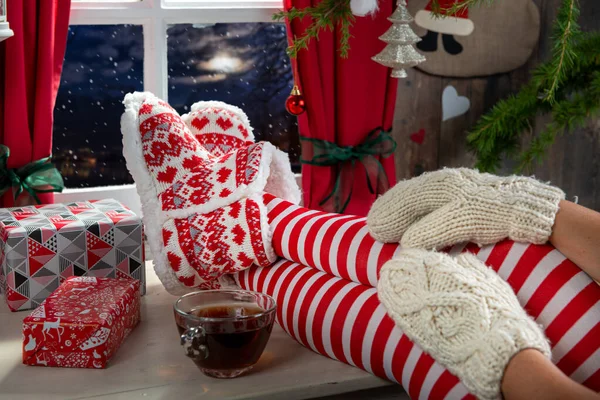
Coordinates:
576	234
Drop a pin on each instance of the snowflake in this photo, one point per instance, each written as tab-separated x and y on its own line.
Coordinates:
73	336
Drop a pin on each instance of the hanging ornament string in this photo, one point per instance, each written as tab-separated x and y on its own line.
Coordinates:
295	103
400	38
323	153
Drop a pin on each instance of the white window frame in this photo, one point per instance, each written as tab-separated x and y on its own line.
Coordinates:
154	16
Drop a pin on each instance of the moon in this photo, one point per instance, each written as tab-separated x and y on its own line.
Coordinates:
224	62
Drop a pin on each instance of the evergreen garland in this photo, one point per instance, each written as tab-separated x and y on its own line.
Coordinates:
328	14
336	14
567	87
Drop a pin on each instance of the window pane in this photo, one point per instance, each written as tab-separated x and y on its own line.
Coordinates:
244	64
102	64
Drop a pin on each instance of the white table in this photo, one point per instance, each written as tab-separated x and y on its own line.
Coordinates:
151	365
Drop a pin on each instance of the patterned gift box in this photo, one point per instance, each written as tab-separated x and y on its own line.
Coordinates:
82	324
41	246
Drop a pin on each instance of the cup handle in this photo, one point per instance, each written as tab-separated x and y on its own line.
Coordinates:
187	339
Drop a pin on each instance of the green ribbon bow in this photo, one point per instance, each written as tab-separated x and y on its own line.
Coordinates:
323	153
38	176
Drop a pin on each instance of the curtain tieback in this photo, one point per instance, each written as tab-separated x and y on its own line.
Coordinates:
378	143
38	176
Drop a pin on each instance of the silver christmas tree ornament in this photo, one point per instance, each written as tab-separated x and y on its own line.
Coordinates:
400	52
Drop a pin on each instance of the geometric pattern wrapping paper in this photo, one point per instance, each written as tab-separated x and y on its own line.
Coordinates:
82	324
41	246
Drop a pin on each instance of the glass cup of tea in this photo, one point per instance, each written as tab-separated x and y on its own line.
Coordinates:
224	331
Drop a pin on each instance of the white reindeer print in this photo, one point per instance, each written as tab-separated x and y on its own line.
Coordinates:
48	326
41	362
30	344
81	290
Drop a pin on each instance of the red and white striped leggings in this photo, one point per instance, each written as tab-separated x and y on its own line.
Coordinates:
325	289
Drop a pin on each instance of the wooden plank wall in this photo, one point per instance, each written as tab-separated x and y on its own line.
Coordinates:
574	161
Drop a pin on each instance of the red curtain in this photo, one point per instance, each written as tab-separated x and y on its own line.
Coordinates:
346	99
30	67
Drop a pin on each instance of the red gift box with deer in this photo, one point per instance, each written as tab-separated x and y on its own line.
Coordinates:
81	324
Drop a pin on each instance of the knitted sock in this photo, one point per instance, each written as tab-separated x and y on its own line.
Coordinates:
462	313
224	130
202	209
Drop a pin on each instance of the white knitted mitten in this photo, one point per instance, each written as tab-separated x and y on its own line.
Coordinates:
461	313
450	206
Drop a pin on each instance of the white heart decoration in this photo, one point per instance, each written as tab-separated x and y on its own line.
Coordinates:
453	105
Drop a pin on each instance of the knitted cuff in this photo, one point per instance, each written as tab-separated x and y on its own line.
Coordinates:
461	313
534	211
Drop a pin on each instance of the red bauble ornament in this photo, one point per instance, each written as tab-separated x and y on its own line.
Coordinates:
295	104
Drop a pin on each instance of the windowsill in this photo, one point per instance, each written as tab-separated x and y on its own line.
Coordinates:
126	194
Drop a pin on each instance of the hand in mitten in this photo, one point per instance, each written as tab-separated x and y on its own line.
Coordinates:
461	313
450	206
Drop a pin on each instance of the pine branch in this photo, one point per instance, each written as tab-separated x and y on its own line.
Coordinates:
567	115
326	15
588	49
497	131
566	32
457	7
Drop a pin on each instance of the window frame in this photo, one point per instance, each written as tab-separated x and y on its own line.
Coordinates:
155	16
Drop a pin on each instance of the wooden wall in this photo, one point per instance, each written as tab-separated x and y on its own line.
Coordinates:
574	161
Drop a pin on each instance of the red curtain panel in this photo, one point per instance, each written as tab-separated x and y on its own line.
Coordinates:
30	67
346	99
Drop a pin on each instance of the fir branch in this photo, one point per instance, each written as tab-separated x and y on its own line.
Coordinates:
497	131
326	15
457	7
566	32
567	114
588	49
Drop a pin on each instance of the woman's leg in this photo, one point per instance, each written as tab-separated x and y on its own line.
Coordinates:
530	375
345	321
576	234
553	290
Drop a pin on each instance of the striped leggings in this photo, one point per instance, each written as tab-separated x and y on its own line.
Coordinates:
325	288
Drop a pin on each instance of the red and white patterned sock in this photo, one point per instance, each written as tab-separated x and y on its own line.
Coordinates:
202	209
224	130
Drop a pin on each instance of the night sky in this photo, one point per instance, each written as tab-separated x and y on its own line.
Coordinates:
242	64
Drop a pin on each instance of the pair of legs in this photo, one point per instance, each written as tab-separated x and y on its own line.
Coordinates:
529	375
328	303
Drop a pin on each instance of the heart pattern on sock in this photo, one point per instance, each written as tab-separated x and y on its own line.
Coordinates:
200	179
215	243
219	129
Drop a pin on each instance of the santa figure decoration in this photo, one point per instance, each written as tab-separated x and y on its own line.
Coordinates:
452	24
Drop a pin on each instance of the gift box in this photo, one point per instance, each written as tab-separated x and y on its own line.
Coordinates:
41	246
81	324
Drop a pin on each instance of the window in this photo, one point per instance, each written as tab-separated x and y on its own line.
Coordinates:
183	51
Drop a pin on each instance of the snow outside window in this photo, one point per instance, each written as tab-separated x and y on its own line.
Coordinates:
183	51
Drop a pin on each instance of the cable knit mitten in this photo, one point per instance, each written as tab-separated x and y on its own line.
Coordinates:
450	206
461	313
